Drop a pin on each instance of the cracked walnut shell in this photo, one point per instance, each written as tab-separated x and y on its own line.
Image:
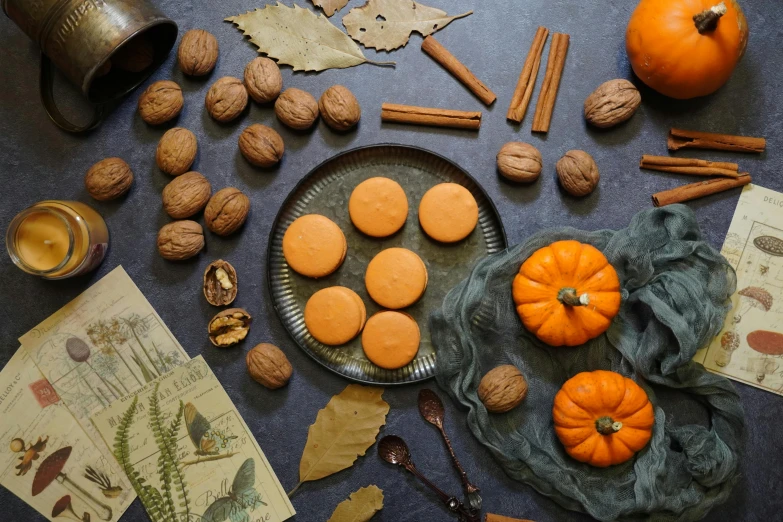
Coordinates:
297	109
197	53
161	102
177	151
268	365
220	283
339	108
108	179
263	80
519	162
261	145
613	102
577	172
229	327
226	211
186	195
180	240
502	389
226	99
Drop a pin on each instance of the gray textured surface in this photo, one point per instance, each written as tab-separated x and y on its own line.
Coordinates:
37	161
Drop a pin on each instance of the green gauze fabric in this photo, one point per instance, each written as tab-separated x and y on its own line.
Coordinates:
676	291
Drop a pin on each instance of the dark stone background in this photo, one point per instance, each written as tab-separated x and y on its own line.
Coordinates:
37	161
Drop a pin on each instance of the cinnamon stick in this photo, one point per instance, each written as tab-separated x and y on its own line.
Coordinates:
449	62
527	78
392	112
682	139
489	517
691	166
554	72
698	190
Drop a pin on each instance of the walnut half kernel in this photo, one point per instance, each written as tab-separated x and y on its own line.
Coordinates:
229	327
220	283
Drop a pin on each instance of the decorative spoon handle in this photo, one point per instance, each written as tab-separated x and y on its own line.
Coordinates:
470	488
451	502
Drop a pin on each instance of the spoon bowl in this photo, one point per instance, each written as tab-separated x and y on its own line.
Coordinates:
431	407
393	450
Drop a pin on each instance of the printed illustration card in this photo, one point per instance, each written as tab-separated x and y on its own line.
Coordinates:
749	349
189	454
46	459
103	345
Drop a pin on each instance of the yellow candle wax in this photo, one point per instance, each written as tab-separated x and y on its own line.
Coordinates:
42	240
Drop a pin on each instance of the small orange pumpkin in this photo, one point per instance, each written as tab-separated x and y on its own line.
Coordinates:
602	418
686	48
567	293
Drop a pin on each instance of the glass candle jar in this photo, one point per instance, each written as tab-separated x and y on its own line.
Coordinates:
57	239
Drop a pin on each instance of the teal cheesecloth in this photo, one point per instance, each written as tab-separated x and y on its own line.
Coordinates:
675	296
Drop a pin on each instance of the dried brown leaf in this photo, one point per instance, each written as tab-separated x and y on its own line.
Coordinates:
360	507
330	6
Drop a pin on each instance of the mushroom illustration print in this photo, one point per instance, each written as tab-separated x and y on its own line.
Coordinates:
64	508
753	297
768	344
51	470
30	453
729	342
769	245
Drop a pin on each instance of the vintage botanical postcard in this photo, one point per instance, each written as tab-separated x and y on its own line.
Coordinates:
189	454
103	345
46	459
749	349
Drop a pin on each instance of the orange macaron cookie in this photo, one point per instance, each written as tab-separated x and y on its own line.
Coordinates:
391	339
448	213
396	278
378	207
335	315
314	246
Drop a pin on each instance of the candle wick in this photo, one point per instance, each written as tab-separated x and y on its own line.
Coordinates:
47	242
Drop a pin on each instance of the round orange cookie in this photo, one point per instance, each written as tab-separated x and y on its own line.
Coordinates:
335	315
314	246
378	207
448	212
396	278
391	339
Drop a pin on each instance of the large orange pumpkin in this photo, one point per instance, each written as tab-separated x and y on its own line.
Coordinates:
602	418
686	48
567	293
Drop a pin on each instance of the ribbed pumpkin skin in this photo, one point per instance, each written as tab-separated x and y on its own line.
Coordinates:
669	55
589	396
566	264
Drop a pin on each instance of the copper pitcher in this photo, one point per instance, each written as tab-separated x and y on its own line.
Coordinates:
80	37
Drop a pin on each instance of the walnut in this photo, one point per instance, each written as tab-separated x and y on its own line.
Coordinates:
339	108
261	146
186	195
226	211
577	172
519	162
180	240
263	80
226	99
268	365
108	179
229	327
177	151
135	56
611	103
297	109
197	53
220	283
502	389
161	102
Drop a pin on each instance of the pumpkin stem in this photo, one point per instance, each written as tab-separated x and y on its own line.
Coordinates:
607	426
707	20
568	297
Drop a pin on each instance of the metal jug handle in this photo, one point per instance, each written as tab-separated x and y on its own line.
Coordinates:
47	97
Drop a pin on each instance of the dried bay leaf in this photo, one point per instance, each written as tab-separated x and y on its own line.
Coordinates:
387	24
330	6
297	37
342	432
360	507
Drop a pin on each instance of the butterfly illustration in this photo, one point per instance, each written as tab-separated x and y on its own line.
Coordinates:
241	497
207	440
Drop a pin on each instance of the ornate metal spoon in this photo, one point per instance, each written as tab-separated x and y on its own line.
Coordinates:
431	408
393	449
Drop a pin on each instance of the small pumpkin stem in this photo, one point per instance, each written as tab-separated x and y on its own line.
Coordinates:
707	20
607	426
568	296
